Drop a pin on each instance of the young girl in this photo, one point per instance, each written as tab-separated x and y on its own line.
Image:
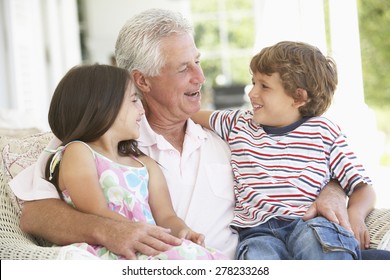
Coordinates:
95	112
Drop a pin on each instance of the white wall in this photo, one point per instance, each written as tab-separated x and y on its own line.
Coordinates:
104	19
39	43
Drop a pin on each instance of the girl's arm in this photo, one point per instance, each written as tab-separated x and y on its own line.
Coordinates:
161	204
360	204
78	176
202	118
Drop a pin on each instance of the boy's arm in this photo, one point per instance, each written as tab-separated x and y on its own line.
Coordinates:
360	204
203	118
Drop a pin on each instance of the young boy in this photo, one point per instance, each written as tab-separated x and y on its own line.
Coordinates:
284	153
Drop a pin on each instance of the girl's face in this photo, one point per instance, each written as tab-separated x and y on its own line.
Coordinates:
126	124
272	106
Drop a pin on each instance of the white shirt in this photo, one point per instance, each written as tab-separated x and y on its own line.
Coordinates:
200	181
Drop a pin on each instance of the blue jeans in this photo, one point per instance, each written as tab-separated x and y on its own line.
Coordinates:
316	239
375	254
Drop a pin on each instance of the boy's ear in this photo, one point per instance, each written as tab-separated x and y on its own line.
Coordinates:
140	81
301	97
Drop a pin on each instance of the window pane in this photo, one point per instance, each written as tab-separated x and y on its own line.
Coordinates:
241	33
211	69
204	6
239	67
207	35
238	4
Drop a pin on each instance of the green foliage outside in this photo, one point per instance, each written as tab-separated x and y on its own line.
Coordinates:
238	20
374	26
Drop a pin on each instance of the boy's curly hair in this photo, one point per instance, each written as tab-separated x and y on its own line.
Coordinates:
300	65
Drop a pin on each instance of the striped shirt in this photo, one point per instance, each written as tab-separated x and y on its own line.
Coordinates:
279	172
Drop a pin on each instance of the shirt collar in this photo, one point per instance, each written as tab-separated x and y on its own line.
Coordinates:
148	137
286	129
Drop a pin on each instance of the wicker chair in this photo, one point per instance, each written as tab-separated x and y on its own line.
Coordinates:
16	153
14	243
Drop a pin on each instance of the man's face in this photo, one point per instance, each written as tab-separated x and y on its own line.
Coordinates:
175	93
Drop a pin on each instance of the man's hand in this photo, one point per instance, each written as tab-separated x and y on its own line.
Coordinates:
128	238
63	225
331	204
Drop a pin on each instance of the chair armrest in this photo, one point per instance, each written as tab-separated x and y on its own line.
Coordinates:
378	223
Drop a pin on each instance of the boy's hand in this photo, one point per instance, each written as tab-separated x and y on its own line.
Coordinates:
360	231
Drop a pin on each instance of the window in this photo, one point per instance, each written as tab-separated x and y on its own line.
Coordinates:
225	35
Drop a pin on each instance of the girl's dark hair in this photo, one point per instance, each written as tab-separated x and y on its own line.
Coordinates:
85	104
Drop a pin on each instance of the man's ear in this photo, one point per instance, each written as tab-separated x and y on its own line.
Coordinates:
140	81
301	97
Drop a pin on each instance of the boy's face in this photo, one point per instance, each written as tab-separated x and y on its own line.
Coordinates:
272	106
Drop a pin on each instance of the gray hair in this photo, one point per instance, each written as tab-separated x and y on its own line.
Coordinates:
139	40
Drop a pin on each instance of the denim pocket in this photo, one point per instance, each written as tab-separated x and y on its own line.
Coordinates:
241	251
334	237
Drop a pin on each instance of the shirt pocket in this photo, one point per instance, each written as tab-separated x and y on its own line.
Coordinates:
220	178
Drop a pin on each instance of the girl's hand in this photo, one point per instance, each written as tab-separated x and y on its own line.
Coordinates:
195	237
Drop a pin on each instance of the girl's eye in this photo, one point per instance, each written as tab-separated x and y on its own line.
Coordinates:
136	98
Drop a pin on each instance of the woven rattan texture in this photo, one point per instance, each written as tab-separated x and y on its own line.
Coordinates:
378	223
16	154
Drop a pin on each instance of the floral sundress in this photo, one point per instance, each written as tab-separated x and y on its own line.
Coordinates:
126	191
